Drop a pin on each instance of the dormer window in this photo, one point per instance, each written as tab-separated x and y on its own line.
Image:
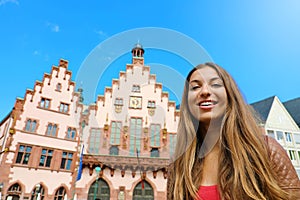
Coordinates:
136	88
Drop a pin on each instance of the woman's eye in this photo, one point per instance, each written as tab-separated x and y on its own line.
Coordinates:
195	87
217	85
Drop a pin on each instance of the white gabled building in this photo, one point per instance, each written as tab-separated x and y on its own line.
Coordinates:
279	124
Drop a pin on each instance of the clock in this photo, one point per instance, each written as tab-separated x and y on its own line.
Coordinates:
135	102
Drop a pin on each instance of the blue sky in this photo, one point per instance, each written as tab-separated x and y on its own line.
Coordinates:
258	42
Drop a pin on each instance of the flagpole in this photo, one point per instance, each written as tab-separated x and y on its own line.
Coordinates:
138	159
80	150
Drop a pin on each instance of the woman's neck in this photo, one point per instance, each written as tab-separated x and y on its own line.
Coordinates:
208	138
211	167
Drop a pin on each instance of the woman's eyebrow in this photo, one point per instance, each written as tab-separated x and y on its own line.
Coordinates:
195	81
210	80
215	78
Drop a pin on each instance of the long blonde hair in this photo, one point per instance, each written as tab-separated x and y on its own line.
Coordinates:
244	170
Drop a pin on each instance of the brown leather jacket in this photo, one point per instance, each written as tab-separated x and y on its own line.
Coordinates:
280	163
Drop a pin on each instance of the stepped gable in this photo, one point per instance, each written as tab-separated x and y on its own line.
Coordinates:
49	79
137	66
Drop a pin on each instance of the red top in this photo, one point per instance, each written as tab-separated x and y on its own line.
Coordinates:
209	193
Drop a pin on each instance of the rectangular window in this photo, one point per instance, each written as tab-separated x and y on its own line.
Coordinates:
173	139
24	153
271	133
119	102
155	135
51	130
64	108
135	135
46	157
66	160
292	155
115	132
151	104
298	172
94	143
288	137
45	103
136	88
279	136
297	138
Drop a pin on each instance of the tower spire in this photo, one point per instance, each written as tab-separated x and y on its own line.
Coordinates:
138	54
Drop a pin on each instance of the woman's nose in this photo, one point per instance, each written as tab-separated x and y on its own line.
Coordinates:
205	90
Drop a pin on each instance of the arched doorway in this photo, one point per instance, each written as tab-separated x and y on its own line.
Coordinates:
99	189
14	192
143	191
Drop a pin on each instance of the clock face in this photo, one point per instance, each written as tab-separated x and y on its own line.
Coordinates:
135	102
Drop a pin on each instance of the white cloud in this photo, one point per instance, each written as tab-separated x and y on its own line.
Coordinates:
36	53
53	27
2	2
101	33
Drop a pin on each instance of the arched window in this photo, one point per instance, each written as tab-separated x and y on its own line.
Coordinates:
114	150
14	192
38	191
33	125
154	152
143	191
71	133
30	125
51	130
60	193
99	189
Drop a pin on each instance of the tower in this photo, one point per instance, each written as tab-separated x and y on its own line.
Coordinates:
138	54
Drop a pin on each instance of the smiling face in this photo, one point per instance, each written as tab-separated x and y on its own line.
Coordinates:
207	98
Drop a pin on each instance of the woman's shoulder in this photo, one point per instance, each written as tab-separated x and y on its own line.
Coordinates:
277	154
282	165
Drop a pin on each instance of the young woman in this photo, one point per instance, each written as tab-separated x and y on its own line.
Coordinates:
221	153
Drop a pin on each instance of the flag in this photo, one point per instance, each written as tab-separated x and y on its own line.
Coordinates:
143	185
79	172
